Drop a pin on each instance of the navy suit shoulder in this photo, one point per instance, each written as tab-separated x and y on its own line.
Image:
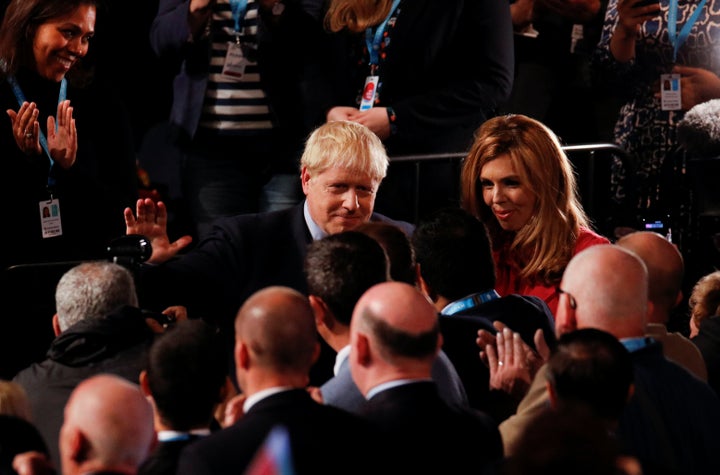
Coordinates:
341	391
408	228
242	254
323	439
672	419
523	314
164	458
431	436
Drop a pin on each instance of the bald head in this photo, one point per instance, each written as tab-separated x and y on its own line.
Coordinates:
277	325
108	425
394	334
609	286
398	305
665	267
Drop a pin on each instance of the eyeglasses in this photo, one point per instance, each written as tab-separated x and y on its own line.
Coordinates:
573	303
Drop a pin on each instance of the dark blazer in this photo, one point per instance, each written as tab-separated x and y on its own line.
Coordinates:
523	314
341	391
288	46
164	458
671	421
439	91
241	255
429	436
323	439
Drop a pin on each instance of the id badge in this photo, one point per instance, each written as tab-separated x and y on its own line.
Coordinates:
50	218
577	34
670	95
369	91
235	61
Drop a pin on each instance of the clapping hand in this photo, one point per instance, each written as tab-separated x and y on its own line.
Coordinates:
61	136
512	363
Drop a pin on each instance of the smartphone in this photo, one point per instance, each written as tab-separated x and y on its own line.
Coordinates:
660	226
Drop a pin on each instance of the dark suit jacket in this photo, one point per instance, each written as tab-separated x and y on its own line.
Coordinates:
164	458
241	255
323	439
288	47
523	314
429	436
439	92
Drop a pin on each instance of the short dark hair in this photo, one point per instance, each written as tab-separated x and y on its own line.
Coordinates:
340	267
397	245
590	368
453	250
187	369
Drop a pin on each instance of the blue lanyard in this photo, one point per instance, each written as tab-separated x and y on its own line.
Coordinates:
43	141
638	343
469	302
676	40
238	7
373	40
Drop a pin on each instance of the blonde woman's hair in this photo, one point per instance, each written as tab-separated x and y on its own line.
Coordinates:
345	144
356	15
543	247
14	400
704	299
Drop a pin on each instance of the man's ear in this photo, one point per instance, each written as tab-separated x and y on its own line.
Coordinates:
552	394
423	285
242	355
80	446
362	349
144	384
321	311
565	320
56	325
305	179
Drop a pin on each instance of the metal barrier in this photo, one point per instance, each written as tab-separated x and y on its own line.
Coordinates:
587	179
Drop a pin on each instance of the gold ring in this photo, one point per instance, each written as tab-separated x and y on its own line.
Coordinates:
500	363
28	135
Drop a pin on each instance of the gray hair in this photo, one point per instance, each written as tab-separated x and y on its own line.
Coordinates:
93	290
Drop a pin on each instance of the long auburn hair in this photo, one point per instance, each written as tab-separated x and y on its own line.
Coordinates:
542	248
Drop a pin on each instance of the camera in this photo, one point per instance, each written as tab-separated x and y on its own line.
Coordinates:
130	250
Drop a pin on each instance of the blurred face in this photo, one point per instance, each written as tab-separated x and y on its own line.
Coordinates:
339	200
509	198
59	43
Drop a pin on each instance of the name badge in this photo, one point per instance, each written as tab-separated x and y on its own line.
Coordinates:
369	91
235	61
670	95
50	218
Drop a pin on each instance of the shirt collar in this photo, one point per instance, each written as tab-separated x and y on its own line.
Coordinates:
260	395
340	358
315	231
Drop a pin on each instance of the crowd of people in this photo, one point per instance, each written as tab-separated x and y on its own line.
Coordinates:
310	315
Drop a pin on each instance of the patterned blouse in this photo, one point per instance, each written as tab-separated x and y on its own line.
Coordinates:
643	129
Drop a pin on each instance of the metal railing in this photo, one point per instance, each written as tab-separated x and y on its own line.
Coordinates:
588	181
